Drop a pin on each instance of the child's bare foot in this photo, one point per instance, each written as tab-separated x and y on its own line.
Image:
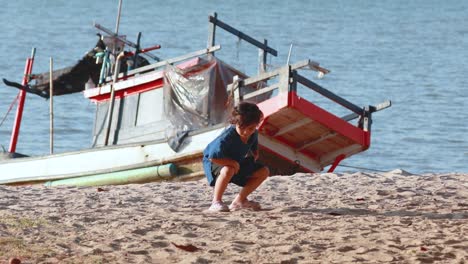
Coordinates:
255	206
218	206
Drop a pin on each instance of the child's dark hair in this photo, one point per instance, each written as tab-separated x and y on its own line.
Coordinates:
246	114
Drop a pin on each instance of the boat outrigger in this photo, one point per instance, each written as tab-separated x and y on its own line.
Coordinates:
153	120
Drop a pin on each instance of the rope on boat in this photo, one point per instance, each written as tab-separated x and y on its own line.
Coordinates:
9	110
360	168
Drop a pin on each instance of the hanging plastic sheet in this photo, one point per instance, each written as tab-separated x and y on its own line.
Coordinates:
196	97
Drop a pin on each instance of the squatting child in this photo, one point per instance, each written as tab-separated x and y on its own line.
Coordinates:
232	157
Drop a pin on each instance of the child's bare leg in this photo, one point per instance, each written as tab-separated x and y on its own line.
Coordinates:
257	178
222	182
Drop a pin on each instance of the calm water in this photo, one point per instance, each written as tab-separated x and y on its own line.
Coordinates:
415	54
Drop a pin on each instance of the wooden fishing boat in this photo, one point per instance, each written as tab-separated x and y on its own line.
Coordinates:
153	122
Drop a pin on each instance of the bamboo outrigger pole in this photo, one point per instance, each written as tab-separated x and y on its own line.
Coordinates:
21	99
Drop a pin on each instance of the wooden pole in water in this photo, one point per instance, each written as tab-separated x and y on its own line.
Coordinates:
262	54
110	111
212	31
21	99
289	54
117	23
51	105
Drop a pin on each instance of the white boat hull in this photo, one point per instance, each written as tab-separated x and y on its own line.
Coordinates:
100	160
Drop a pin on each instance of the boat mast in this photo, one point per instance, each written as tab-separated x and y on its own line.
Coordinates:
110	111
118	18
117	24
21	100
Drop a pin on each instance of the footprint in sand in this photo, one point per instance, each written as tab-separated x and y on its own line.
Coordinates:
346	249
115	245
383	192
190	235
141	232
242	246
159	244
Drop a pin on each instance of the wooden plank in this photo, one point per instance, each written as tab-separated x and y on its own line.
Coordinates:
381	106
315	141
348	151
305	134
343	140
261	91
285	117
293	126
330	145
268	75
372	108
329	120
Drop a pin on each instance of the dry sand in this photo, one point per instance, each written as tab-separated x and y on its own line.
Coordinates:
306	218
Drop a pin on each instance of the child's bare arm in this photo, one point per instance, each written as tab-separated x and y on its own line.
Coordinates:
227	162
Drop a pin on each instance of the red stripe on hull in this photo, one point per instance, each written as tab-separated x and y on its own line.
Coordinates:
95	95
129	91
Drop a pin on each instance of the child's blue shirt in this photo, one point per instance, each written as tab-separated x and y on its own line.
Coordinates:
228	145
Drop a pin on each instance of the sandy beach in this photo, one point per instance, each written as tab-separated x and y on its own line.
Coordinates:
306	218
